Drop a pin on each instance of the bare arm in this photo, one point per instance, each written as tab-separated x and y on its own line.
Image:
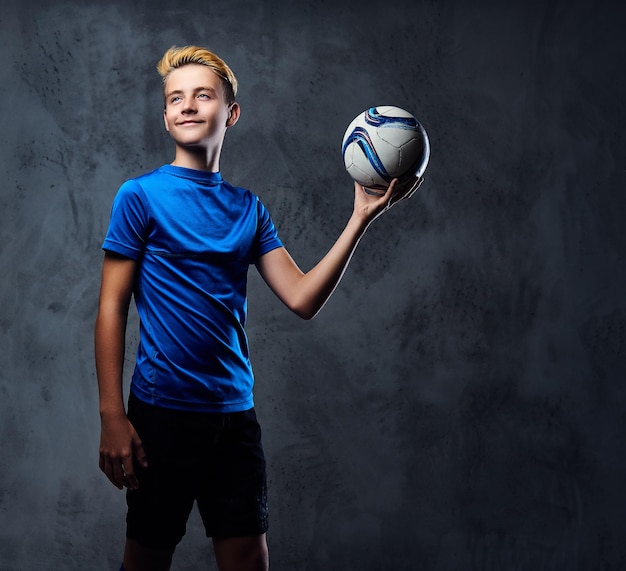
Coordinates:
306	293
119	442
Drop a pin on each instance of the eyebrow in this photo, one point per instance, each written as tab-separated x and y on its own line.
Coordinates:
196	90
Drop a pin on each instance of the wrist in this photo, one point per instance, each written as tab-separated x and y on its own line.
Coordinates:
112	412
358	223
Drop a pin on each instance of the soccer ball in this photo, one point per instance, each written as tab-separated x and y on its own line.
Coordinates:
383	143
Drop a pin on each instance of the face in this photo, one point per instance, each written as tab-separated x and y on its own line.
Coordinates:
196	112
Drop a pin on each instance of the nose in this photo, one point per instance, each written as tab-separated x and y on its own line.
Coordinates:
189	105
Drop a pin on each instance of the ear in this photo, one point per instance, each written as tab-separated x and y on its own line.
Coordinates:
165	120
233	114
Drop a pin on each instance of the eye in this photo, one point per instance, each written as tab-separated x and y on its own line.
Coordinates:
204	96
175	99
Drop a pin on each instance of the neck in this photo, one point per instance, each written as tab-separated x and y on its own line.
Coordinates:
197	158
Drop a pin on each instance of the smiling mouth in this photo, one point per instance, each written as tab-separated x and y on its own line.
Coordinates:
190	123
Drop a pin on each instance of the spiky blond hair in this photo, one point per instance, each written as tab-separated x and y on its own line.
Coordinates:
176	57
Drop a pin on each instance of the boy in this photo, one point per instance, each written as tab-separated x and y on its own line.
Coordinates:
181	240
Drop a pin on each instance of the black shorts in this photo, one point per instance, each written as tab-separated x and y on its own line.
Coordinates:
214	459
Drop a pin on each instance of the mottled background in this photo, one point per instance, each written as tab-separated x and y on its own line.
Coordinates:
459	404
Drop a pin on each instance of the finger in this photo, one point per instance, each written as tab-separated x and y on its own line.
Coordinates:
127	467
119	476
360	189
390	194
130	479
140	453
109	472
392	187
386	197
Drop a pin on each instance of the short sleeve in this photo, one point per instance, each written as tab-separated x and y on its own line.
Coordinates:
267	236
128	225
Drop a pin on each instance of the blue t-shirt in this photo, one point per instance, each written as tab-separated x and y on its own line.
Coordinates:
194	237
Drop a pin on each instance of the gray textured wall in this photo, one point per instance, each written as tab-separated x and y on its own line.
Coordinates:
459	404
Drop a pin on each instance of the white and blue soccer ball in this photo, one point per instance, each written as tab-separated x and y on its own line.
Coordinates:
383	143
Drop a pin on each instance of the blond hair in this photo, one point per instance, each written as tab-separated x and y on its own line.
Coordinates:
177	57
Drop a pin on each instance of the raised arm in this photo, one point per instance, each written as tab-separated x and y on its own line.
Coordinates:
306	293
119	442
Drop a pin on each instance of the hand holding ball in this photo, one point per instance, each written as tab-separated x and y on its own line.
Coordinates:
383	143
